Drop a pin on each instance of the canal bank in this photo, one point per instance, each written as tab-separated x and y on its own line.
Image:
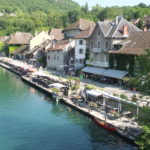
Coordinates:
117	123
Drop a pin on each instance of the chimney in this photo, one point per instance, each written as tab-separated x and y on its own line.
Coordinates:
145	29
53	45
117	20
125	31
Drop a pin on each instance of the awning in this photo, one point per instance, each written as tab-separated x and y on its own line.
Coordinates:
118	74
94	70
57	85
94	93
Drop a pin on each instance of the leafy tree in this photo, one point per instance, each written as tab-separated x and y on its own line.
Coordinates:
144	140
73	15
85	8
143	5
143	63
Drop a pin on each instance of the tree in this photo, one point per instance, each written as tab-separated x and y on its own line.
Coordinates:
143	63
85	8
144	140
142	5
142	71
73	15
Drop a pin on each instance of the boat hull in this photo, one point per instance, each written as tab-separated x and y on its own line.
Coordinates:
104	125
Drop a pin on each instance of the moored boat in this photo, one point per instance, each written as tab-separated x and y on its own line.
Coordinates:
105	125
125	135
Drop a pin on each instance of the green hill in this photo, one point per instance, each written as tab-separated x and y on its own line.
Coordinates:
29	6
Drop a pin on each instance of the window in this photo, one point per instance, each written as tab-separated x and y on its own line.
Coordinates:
91	44
99	45
106	45
99	33
81	61
81	42
80	51
57	58
48	57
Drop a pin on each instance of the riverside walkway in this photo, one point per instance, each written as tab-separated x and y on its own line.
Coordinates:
120	122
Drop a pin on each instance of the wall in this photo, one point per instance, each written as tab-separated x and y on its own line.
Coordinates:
55	59
78	47
71	33
80	58
40	38
97	52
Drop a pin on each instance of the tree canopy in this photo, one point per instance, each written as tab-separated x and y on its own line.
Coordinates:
37	15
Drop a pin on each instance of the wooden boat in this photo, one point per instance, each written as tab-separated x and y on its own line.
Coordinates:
105	125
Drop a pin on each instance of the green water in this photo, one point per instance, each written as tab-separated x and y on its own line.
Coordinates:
29	120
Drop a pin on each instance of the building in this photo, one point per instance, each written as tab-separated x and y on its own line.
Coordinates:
60	55
62	38
56	34
105	37
80	31
39	39
20	38
82	47
77	27
17	40
135	45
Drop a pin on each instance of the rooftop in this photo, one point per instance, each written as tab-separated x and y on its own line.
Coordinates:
60	45
135	44
81	24
115	29
20	38
57	34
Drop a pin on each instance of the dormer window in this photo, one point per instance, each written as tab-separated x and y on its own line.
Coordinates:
81	42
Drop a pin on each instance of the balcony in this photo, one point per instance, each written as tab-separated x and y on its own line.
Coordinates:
96	50
97	63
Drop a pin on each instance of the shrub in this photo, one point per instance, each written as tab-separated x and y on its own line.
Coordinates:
115	94
124	96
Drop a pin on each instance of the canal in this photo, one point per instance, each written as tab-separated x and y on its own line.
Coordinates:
30	120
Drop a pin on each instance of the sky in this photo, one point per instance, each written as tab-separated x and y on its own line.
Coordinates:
105	3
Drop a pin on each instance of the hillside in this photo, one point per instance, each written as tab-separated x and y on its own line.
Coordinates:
29	6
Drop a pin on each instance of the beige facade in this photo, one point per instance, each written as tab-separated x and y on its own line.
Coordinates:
38	39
